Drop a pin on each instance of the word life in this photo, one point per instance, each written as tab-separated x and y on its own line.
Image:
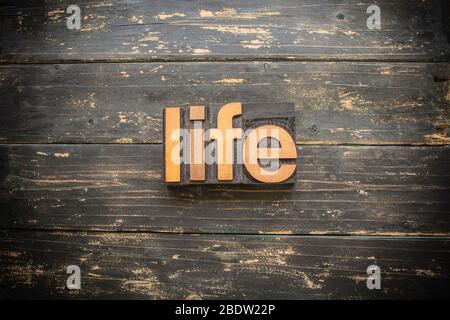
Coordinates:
234	143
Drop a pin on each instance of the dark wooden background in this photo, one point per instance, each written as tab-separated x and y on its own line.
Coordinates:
81	154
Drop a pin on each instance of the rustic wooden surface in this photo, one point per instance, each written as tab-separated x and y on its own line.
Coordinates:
336	102
339	190
237	29
164	266
81	154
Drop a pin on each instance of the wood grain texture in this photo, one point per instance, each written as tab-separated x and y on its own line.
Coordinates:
120	30
157	266
339	190
81	176
356	103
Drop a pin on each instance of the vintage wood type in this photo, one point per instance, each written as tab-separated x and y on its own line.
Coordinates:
172	146
233	152
285	150
197	113
197	166
82	160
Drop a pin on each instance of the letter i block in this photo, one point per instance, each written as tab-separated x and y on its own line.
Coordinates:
233	143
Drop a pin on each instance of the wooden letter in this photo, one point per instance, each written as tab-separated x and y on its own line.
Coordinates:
172	144
225	135
252	153
197	113
197	144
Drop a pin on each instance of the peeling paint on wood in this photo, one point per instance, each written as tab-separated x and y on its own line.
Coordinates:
345	102
412	30
384	200
362	191
157	266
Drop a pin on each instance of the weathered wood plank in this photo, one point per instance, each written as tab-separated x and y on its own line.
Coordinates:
117	30
374	103
149	266
339	190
